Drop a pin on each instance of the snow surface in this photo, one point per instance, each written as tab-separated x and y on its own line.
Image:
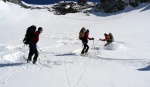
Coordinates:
125	63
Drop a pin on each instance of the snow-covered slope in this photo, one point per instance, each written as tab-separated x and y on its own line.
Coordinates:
125	63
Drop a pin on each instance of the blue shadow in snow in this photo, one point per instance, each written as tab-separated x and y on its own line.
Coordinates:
127	9
10	64
145	68
147	8
66	54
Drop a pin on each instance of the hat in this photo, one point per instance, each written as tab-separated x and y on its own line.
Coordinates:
40	28
83	27
87	30
105	34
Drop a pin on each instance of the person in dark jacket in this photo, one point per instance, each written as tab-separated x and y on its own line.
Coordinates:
85	41
32	46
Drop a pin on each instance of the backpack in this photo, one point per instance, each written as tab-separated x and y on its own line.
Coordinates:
81	33
29	34
111	37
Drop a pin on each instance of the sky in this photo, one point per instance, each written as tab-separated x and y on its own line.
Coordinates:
48	1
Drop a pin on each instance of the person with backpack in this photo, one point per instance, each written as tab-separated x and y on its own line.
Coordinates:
108	38
29	35
85	39
31	39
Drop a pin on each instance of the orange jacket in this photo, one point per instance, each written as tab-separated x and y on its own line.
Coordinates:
107	38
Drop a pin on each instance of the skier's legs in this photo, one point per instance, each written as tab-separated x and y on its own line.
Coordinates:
36	54
83	50
108	43
87	48
31	51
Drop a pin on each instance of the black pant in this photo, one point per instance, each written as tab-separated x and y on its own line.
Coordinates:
108	42
85	49
33	51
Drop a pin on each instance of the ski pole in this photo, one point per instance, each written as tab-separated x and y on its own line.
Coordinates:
96	42
94	47
40	50
93	44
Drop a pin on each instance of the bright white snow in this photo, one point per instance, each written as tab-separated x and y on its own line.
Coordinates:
125	63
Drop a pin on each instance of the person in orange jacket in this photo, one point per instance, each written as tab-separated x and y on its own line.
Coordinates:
108	39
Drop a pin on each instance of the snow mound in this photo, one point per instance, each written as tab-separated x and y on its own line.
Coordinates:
115	46
13	57
77	52
11	53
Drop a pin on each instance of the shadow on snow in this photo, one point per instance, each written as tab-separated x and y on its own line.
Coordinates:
147	8
10	64
144	69
143	7
66	54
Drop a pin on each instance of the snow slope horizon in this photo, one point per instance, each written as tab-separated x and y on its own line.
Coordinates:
125	63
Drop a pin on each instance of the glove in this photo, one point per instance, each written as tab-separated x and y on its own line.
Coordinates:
92	38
